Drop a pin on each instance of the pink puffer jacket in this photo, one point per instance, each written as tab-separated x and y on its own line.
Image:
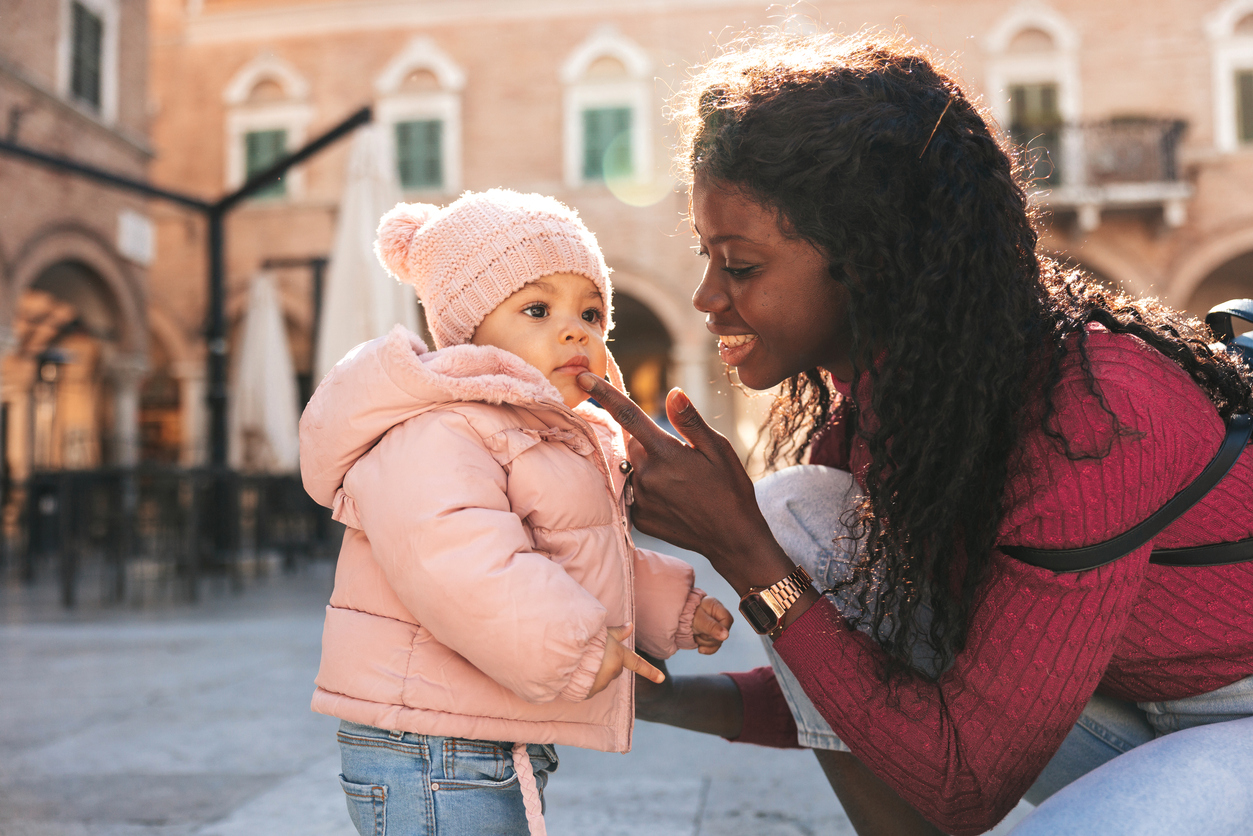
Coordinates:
487	550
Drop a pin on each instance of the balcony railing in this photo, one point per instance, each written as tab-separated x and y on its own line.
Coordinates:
1091	167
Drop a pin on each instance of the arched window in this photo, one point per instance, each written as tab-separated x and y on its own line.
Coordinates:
419	108
87	55
1033	84
267	117
608	120
1230	31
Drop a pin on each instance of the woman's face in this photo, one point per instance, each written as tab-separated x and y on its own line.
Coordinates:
766	295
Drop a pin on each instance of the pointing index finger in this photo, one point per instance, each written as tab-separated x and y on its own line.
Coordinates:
625	412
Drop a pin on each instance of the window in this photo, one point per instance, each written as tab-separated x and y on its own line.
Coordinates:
87	42
608	108
419	154
1230	32
419	107
1244	105
261	150
1035	125
267	116
87	55
606	143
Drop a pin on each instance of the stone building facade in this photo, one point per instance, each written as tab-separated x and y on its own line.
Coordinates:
1138	117
74	254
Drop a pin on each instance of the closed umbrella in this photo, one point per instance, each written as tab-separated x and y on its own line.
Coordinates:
264	405
360	300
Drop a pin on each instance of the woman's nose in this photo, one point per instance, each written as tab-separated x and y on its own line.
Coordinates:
709	296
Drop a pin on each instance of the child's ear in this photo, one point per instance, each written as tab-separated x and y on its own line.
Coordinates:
396	234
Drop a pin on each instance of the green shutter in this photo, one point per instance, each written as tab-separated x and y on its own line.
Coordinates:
261	150
606	143
420	154
87	37
1035	125
1244	107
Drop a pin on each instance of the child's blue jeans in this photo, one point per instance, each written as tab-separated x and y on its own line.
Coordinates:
402	784
1178	767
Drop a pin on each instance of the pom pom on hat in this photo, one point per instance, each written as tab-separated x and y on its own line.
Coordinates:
468	257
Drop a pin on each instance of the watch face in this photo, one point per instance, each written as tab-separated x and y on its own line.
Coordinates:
758	613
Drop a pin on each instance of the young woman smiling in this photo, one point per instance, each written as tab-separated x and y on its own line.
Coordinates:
955	393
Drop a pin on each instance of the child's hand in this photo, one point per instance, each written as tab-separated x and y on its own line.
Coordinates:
617	657
711	625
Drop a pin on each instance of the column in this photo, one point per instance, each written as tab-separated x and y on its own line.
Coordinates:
191	399
127	374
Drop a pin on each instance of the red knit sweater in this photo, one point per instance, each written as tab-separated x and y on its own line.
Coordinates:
964	749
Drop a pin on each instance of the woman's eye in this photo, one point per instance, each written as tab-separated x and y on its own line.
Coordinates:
537	310
592	315
739	272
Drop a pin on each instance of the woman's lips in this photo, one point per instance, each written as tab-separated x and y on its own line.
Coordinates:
733	348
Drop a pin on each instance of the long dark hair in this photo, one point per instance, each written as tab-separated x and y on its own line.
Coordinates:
866	148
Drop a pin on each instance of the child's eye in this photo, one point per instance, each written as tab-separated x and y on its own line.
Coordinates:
538	310
593	315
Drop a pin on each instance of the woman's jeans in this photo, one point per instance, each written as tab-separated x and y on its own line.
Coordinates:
1176	767
402	784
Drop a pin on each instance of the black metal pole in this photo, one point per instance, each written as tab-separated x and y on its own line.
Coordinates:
215	339
103	176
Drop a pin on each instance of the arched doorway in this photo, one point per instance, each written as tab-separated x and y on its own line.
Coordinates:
642	346
1231	280
58	392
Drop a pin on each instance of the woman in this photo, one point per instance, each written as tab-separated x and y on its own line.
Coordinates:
870	248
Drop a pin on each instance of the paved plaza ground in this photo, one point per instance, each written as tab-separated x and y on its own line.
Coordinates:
193	720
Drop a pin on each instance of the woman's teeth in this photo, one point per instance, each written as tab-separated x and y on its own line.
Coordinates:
734	340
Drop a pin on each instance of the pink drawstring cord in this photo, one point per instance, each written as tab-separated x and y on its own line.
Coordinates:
530	793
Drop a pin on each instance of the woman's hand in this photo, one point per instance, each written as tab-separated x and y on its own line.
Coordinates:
618	656
694	495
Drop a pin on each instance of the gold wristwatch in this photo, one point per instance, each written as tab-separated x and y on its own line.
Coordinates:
764	606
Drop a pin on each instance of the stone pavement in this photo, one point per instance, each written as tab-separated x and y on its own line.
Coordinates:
194	721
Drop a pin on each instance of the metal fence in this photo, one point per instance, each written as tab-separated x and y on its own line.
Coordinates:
1108	152
151	531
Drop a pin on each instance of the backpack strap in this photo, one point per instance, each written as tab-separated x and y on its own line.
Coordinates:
1239	428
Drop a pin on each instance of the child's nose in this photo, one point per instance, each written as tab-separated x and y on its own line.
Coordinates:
574	331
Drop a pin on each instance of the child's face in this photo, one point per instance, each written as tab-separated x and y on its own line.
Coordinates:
554	323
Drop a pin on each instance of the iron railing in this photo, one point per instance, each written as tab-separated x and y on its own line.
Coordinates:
154	531
1103	153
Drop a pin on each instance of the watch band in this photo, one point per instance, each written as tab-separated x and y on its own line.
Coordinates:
786	591
779	597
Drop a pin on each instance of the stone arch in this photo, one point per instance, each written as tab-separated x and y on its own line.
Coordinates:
1204	260
1024	18
690	343
265	67
1232	279
421	53
1114	267
606	41
75	244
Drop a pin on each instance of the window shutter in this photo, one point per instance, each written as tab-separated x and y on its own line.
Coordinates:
420	154
602	155
86	38
1244	104
262	149
1035	125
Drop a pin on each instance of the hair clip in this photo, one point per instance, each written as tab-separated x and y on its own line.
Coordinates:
947	105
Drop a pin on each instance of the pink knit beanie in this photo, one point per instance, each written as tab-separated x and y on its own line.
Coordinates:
468	257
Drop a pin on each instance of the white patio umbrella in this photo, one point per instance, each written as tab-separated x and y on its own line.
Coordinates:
264	405
360	301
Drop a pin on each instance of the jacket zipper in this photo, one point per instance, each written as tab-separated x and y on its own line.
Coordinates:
625	526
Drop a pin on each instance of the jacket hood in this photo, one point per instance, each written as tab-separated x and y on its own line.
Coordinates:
387	381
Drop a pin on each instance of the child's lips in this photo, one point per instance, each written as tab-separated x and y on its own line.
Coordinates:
575	365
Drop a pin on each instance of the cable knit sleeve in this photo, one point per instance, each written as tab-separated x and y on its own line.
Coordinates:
963	749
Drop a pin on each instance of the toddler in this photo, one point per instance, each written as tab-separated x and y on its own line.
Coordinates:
488	593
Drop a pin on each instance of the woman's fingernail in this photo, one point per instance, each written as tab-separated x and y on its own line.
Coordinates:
586	381
681	401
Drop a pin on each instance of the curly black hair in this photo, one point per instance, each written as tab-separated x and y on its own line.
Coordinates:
868	149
